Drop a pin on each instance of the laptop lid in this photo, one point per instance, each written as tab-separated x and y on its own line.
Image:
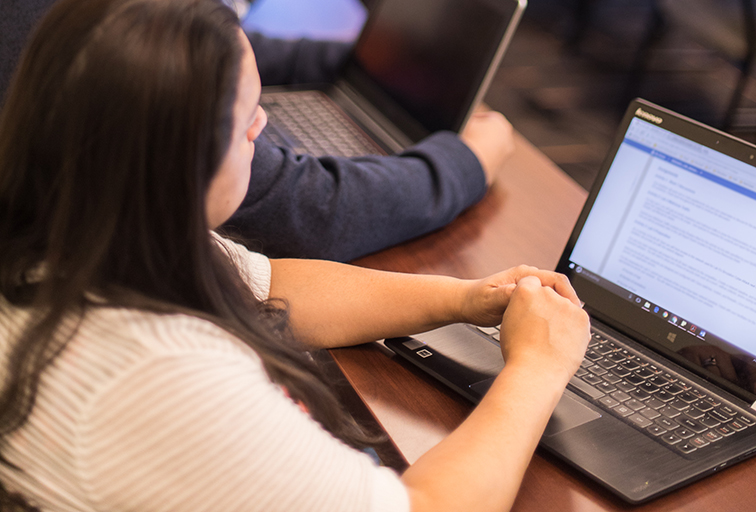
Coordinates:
665	248
424	65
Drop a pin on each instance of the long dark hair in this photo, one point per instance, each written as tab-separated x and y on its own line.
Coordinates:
115	123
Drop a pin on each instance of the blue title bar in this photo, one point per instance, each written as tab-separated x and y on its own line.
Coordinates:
691	168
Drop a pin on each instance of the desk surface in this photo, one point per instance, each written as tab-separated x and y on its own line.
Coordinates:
526	217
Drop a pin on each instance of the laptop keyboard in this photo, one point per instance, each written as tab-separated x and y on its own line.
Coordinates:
307	122
654	400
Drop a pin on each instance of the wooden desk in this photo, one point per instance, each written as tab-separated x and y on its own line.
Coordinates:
526	218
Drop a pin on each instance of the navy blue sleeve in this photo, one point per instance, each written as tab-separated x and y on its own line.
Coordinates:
341	209
17	19
283	62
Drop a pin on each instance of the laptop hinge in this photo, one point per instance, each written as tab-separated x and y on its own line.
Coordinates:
367	115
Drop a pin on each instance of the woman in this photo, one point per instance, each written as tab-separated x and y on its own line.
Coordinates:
150	364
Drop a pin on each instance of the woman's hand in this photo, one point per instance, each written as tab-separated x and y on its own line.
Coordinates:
485	300
543	329
544	332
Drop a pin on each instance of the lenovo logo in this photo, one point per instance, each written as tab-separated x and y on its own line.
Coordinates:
648	116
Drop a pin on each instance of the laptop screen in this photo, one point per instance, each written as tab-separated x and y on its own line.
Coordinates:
667	249
425	60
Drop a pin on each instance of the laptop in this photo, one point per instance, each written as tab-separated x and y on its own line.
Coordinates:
663	256
418	67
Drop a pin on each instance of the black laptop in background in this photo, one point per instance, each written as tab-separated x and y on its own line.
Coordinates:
418	67
664	257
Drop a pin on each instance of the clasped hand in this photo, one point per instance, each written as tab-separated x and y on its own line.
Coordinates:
540	315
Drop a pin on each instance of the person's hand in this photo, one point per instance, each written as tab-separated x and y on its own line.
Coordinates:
543	329
485	300
489	135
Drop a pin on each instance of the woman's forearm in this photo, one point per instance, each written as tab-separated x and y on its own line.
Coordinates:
333	304
481	464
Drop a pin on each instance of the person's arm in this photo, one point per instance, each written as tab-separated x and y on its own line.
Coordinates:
284	62
481	464
341	208
331	304
544	332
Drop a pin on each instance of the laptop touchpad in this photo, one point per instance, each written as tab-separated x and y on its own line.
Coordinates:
569	413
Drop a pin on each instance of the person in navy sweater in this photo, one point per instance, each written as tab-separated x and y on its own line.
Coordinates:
331	207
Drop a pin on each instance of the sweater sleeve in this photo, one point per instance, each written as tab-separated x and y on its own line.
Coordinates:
284	62
209	431
342	208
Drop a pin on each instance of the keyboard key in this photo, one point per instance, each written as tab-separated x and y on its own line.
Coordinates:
725	430
693	425
635	405
670	439
736	425
603	349
745	420
687	397
644	373
712	436
679	405
623	410
591	378
673	389
656	430
611	378
686	447
625	386
664	396
719	416
709	421
699	442
639	394
488	330
596	369
650	413
606	364
728	410
609	402
669	412
654	403
634	379
605	387
667	423
619	395
659	381
619	371
640	420
684	433
648	387
669	377
616	357
585	387
593	355
694	413
704	405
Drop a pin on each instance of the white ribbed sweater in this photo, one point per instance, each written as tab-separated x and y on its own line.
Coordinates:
146	412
